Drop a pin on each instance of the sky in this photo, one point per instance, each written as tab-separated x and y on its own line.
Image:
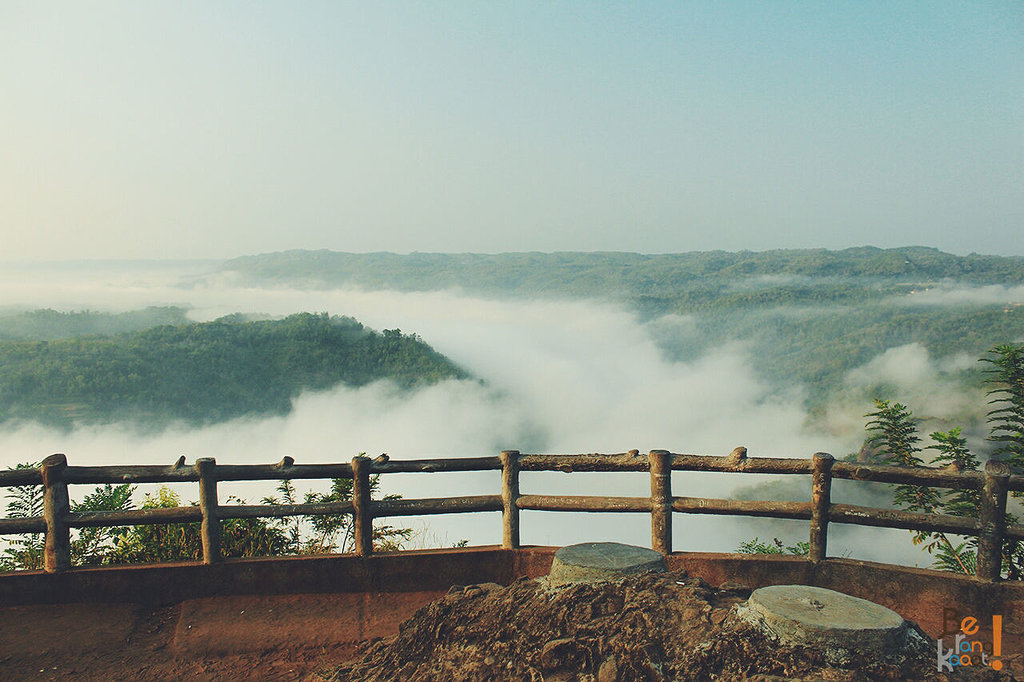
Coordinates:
207	129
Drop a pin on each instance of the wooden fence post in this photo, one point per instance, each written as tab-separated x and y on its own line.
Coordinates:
210	528
363	514
56	507
993	521
661	501
821	500
509	499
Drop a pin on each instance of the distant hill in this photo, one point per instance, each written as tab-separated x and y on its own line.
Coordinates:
49	325
809	315
628	274
203	373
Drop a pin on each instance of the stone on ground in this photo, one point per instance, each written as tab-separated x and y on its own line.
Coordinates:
599	561
826	619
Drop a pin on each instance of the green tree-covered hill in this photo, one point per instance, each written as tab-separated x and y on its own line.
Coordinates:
47	324
804	274
809	315
205	372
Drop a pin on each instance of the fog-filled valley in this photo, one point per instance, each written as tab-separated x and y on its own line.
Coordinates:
780	352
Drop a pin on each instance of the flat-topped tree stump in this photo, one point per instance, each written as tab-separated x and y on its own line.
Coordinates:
825	619
599	561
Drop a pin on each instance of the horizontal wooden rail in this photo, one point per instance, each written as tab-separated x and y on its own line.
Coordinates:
163	515
437	505
897	518
929	476
281	471
11	477
55	475
584	503
130	474
31	524
133	517
942	478
284	470
740	464
224	472
249	511
624	461
775	510
427	466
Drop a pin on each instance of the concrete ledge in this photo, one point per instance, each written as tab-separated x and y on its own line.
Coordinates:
99	626
160	584
225	625
921	595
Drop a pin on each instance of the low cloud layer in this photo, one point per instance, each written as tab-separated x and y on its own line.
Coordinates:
959	294
932	388
931	384
557	376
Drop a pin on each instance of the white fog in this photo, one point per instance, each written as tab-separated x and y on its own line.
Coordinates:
555	377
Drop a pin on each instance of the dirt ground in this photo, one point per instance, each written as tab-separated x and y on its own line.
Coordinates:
656	627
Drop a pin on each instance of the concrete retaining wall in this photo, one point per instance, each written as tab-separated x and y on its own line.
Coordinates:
920	595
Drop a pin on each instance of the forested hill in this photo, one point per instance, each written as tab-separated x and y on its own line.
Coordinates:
808	315
629	274
205	372
46	324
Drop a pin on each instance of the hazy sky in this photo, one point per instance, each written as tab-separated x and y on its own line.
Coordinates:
214	129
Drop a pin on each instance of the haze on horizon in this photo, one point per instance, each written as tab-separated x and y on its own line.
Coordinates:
556	375
211	130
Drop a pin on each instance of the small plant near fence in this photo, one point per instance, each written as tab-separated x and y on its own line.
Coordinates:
246	537
893	438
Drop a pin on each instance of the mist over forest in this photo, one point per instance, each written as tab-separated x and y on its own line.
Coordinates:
779	351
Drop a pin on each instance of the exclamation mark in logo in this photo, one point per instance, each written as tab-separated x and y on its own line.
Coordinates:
997	642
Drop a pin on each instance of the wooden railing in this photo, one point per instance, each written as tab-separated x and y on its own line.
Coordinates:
55	475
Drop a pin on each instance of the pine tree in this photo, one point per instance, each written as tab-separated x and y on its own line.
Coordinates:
24	501
953	451
892	432
1006	378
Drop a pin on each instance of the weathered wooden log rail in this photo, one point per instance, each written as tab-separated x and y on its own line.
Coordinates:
55	475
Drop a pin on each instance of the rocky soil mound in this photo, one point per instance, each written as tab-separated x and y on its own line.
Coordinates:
654	627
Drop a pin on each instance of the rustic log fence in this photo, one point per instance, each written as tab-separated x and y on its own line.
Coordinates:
55	474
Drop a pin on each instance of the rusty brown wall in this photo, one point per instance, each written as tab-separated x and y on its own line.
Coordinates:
171	583
916	594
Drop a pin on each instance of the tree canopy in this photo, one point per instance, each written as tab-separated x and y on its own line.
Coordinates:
205	372
808	315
